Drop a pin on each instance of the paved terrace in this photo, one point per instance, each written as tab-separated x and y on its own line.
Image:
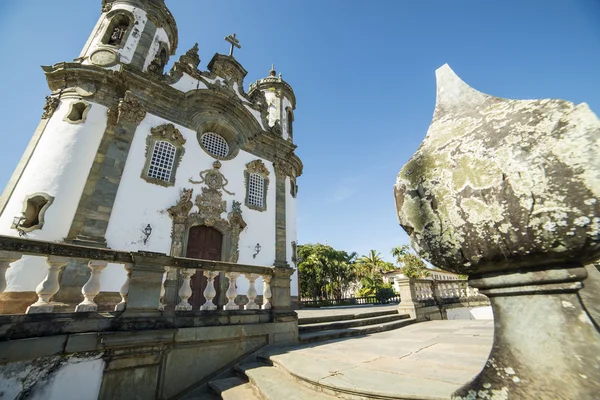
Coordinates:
427	360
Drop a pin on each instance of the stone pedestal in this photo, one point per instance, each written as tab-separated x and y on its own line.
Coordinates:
545	344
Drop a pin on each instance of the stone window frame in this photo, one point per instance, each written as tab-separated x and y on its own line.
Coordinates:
111	17
256	167
223	129
211	154
41	213
83	114
167	133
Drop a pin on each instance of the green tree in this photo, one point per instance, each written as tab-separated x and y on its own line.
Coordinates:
324	271
370	269
412	266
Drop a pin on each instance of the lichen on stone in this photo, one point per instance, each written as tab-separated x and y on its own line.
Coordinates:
498	182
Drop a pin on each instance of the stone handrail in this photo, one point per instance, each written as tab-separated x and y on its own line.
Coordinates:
143	289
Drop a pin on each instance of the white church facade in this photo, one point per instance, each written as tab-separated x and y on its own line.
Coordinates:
130	158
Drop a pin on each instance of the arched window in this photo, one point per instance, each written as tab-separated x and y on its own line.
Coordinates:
116	33
257	183
163	153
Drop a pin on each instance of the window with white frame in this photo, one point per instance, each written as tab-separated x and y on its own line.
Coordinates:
162	160
256	190
215	145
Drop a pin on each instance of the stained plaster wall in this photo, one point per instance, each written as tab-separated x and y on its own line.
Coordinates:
59	166
52	378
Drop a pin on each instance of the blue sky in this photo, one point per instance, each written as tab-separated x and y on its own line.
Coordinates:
362	71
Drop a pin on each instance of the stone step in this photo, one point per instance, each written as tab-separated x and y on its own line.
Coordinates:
319	336
344	317
234	388
323	326
274	384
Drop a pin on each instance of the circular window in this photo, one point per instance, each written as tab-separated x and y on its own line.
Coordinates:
215	144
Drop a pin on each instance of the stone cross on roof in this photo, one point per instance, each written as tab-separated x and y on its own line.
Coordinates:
234	43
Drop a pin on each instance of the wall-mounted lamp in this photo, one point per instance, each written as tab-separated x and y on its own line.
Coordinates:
256	249
18	224
147	232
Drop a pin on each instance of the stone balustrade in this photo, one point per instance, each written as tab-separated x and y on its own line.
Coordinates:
144	286
426	299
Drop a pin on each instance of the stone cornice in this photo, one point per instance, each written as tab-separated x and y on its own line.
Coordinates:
158	98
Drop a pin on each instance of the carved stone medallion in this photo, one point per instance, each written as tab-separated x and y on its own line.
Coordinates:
213	178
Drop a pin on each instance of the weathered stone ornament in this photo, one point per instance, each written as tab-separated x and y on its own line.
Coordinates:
210	205
508	191
498	181
180	211
213	178
50	106
191	57
131	110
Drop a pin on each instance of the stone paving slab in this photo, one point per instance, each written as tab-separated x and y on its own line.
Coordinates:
428	360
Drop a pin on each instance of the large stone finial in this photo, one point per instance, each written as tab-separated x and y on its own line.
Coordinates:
508	191
500	181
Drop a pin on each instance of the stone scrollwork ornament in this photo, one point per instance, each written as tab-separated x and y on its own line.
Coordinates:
237	224
213	178
50	106
131	109
179	211
210	205
257	167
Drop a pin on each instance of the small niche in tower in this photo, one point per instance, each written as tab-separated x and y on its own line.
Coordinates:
290	121
34	208
77	112
117	30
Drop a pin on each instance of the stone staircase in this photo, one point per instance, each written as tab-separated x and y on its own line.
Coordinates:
316	329
263	378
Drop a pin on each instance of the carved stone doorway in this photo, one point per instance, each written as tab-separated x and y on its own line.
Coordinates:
204	243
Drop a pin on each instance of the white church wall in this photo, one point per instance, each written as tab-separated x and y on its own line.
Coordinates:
59	166
139	203
126	52
274	113
187	83
159	36
291	235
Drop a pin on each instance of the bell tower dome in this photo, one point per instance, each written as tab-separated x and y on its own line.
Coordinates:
140	33
281	101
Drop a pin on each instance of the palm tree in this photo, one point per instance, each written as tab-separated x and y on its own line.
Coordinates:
412	266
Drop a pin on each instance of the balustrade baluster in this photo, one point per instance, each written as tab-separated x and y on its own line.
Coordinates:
163	290
185	292
124	291
6	258
92	287
48	287
266	292
251	292
210	292
231	291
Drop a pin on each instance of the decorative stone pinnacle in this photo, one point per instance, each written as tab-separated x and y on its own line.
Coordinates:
272	72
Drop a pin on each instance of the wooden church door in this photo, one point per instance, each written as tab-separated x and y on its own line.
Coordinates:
204	243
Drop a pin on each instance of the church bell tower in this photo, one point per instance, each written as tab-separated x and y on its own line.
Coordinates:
138	33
